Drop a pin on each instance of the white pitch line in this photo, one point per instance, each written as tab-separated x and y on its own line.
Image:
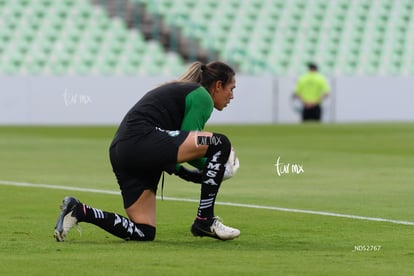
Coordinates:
99	191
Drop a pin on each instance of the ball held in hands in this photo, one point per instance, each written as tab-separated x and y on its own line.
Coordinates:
232	165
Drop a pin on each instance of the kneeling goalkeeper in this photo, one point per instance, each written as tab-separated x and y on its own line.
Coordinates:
162	130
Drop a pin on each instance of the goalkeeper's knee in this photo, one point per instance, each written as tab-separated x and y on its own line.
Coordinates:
217	154
142	232
219	147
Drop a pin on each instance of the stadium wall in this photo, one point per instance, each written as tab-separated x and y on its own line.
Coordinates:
103	100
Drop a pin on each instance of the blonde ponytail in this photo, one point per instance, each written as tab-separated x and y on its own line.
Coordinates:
206	74
193	73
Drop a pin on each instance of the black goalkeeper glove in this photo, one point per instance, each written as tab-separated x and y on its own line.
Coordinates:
189	175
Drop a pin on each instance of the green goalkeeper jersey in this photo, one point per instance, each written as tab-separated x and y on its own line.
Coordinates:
172	106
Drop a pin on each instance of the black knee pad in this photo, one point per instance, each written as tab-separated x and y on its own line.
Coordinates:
217	142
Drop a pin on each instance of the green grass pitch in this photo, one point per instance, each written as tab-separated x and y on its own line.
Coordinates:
353	169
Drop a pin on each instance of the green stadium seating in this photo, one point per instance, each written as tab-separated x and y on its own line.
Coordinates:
345	37
74	37
362	37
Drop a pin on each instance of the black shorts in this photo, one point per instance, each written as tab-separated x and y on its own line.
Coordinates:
312	114
138	163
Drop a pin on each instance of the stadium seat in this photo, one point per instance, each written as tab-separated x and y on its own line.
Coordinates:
258	36
42	37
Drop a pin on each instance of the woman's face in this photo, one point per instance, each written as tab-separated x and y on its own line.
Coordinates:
222	94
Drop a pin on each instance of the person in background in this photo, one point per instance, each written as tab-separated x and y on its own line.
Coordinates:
311	88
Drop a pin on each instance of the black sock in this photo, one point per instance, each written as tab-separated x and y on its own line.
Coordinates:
207	201
115	224
217	155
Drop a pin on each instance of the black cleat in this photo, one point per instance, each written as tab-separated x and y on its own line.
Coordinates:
66	218
215	230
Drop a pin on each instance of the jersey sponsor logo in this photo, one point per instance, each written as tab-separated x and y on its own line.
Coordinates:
172	133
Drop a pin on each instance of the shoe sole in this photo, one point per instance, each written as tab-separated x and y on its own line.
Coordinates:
197	232
59	234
